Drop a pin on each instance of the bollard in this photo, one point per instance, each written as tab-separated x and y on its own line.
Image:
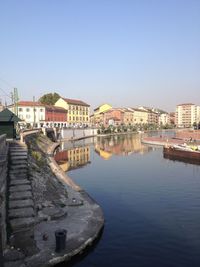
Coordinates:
60	239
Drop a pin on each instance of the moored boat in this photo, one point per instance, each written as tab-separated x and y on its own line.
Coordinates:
183	153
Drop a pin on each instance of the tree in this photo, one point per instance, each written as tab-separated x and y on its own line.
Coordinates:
49	99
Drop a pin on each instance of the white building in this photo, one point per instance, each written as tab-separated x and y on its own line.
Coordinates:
187	114
164	119
30	112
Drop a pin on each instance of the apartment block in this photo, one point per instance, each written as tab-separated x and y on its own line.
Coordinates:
78	111
187	114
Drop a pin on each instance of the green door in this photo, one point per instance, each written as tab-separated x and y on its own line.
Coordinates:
7	128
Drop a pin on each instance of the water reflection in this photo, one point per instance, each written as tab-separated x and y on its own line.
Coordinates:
120	145
77	154
73	158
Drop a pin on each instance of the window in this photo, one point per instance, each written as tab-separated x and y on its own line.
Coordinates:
20	109
41	110
28	109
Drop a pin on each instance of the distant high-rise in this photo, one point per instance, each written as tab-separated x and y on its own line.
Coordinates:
187	114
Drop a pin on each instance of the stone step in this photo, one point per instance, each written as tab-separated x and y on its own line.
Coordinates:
18	153
19	162
20	188
21	223
19	182
20	195
21	213
13	204
18	171
15	167
14	177
17	149
18	157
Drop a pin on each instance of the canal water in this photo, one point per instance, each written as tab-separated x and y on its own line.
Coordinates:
151	204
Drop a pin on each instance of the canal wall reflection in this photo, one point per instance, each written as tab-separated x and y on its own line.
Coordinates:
72	155
124	145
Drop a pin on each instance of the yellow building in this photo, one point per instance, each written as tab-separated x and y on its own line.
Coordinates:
78	111
98	116
140	116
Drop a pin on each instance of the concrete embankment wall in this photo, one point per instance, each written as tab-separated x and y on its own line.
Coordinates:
77	133
195	135
3	190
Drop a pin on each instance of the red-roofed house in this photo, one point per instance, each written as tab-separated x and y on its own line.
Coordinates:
39	115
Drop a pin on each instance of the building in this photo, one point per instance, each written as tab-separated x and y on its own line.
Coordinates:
153	115
114	116
140	116
55	116
128	118
36	114
187	114
172	117
97	118
164	119
78	111
8	122
30	112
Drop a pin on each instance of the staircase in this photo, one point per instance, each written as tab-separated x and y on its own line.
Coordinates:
20	204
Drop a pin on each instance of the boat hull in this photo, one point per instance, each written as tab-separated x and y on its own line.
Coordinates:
172	153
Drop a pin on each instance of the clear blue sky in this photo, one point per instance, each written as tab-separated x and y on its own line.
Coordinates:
124	52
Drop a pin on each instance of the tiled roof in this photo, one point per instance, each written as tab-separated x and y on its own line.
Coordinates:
54	108
186	104
75	102
140	110
30	104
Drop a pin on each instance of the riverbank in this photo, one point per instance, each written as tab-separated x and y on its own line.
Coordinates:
180	138
58	204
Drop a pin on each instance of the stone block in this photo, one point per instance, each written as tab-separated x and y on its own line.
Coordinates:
20	195
13	204
19	182
20	188
21	223
18	177
21	213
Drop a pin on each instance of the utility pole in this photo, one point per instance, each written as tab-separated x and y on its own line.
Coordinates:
33	111
16	99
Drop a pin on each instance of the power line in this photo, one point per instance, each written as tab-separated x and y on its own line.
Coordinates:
5	93
6	82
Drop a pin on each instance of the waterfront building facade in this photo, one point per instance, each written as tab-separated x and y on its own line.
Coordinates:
97	119
77	110
187	114
36	114
164	119
140	116
114	117
128	118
